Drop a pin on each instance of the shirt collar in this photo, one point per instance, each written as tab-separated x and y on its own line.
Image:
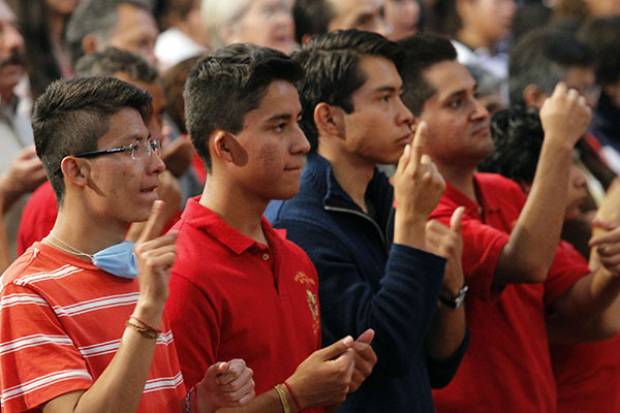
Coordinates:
206	220
473	207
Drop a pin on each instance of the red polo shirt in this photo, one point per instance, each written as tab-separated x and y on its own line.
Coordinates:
507	367
232	297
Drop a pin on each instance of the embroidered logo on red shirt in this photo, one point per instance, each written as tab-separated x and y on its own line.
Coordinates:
311	297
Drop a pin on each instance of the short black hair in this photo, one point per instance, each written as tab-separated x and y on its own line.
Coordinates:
422	51
311	17
72	115
111	61
602	35
173	83
542	58
518	136
227	84
332	65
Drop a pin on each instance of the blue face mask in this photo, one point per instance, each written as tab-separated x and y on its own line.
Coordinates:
118	260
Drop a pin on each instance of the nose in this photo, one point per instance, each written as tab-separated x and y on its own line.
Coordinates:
301	145
404	115
13	39
383	27
480	111
578	179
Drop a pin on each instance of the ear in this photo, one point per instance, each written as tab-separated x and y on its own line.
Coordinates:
224	146
89	44
533	97
329	120
75	172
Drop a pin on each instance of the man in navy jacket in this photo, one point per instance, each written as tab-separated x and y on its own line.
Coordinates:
343	217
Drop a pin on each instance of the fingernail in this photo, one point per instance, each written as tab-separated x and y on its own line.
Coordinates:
347	340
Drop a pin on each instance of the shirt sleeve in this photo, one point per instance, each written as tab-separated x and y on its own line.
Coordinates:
399	308
193	320
38	360
567	267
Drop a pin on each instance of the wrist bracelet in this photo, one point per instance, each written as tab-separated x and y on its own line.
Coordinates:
144	331
295	399
145	324
281	390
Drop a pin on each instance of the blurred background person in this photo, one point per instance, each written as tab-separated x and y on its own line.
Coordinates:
183	35
405	17
124	24
267	23
314	17
43	24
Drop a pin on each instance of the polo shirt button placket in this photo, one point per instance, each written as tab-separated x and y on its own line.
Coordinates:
265	257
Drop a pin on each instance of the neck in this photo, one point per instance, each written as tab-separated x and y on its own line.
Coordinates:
85	232
473	39
460	178
352	173
240	208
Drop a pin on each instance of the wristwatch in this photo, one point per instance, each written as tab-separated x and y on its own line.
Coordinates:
456	301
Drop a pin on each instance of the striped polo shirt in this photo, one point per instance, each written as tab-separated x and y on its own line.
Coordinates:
61	322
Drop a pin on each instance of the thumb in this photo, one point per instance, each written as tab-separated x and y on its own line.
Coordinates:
366	337
456	221
336	349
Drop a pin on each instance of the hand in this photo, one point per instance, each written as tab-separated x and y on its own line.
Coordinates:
448	243
169	191
365	359
25	174
565	116
227	384
155	256
324	378
607	246
178	156
418	185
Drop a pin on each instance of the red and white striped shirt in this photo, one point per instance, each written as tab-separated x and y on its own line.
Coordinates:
61	322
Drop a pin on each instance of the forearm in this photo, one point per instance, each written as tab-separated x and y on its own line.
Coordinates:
8	195
447	332
5	256
592	303
119	388
535	237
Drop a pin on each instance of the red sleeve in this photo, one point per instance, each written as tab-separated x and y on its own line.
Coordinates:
195	325
38	360
38	217
567	267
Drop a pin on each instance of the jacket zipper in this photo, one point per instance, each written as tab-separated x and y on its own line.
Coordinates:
359	214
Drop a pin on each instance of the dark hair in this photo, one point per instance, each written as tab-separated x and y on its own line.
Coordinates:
72	115
43	68
518	136
311	17
111	61
602	35
169	12
331	62
95	17
173	83
445	19
421	52
227	84
542	58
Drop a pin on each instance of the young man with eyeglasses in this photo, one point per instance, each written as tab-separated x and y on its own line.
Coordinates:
81	313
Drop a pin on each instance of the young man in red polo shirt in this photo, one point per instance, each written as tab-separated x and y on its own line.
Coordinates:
238	287
520	281
81	314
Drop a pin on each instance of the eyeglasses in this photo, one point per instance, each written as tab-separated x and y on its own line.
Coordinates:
138	150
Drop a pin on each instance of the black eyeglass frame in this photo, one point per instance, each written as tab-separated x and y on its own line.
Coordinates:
119	149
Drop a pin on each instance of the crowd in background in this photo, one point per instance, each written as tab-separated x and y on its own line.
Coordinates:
528	58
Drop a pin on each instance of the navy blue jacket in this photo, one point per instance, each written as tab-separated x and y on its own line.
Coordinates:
367	282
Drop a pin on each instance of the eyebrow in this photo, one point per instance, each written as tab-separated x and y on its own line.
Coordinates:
281	116
387	88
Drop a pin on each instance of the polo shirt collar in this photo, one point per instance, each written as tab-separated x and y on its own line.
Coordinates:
204	219
472	206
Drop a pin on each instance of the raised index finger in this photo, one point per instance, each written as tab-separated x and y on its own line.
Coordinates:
155	224
418	144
